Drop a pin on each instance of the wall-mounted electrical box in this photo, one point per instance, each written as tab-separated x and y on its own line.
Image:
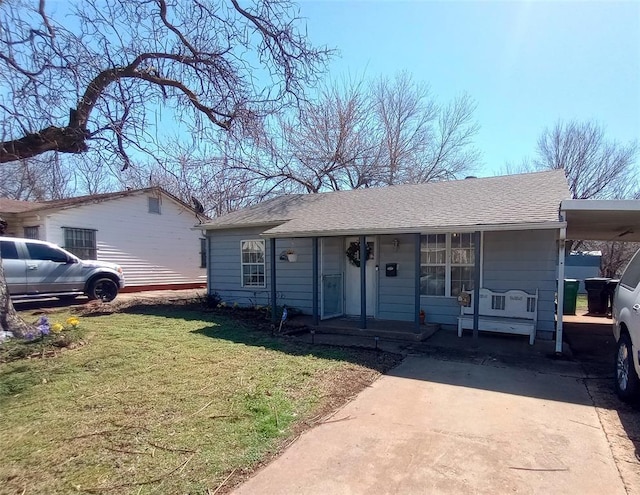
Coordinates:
391	270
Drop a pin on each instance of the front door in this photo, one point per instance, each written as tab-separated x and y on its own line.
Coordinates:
352	279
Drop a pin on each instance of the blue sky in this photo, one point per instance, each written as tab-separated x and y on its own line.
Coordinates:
527	64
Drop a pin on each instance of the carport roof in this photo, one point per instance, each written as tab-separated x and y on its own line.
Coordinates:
524	201
602	220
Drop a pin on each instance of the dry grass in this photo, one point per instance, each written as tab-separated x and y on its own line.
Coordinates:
164	400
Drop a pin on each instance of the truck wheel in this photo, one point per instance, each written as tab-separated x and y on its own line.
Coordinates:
627	383
103	288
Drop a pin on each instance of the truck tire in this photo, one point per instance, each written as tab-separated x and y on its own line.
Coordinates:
103	288
627	383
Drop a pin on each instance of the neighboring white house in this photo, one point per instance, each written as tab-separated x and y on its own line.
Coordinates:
148	232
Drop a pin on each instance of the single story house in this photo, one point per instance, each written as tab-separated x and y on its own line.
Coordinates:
422	245
148	232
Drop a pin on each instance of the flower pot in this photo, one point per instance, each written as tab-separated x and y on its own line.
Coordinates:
292	257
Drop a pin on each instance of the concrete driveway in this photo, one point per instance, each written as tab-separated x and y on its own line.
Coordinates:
434	426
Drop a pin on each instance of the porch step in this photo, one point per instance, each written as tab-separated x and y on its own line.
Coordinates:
426	331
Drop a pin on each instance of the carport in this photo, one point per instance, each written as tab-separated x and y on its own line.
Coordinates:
593	220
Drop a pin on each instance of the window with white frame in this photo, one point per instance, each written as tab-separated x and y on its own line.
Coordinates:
253	263
446	264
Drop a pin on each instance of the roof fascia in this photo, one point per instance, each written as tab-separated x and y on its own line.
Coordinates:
421	230
600	205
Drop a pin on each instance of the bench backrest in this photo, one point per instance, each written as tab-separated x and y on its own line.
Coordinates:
509	304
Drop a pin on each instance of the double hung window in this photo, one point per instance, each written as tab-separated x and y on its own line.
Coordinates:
446	264
253	263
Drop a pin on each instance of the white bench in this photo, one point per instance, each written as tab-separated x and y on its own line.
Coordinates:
513	311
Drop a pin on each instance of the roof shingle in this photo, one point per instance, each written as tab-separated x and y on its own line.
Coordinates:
503	200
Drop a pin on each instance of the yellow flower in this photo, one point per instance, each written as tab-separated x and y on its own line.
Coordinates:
73	321
57	328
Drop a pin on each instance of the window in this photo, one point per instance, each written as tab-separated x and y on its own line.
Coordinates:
253	255
46	253
631	276
446	264
32	232
154	205
8	250
203	253
81	242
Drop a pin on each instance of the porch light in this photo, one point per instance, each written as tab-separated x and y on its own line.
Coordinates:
396	244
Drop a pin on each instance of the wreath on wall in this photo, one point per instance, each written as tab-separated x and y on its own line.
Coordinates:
353	253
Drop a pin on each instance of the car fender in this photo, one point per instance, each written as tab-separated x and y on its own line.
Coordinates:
93	272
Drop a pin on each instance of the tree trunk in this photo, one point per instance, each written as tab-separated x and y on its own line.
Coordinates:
9	319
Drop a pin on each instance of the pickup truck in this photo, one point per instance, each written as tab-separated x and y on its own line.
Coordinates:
35	268
626	330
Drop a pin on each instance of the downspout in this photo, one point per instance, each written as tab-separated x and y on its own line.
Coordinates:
560	290
272	258
314	277
363	282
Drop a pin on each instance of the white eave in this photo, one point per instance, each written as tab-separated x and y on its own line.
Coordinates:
602	220
419	230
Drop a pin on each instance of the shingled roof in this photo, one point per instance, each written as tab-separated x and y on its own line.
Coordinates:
476	203
13	206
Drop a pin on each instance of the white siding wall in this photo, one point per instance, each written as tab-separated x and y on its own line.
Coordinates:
152	249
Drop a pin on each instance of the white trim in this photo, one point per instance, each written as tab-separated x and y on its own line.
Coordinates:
264	263
600	205
560	289
482	259
449	265
408	230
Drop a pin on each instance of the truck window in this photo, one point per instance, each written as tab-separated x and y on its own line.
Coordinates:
631	275
46	253
8	250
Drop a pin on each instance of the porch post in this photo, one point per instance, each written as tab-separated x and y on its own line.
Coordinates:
416	269
272	264
314	277
363	281
560	305
477	239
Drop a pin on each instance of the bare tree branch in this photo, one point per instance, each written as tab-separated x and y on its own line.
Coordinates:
190	57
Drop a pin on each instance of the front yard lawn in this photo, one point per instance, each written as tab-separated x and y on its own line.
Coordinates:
165	400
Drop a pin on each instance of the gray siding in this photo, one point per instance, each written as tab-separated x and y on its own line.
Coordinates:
293	280
396	299
524	260
443	310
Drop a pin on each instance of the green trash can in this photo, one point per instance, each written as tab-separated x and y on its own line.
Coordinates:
571	287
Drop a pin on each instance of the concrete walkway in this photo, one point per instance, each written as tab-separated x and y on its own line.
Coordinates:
434	426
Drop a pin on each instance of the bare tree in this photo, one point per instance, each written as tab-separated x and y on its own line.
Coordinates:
36	179
197	179
421	140
595	167
205	61
94	76
356	135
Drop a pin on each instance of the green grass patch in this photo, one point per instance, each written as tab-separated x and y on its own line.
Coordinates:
163	400
581	304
